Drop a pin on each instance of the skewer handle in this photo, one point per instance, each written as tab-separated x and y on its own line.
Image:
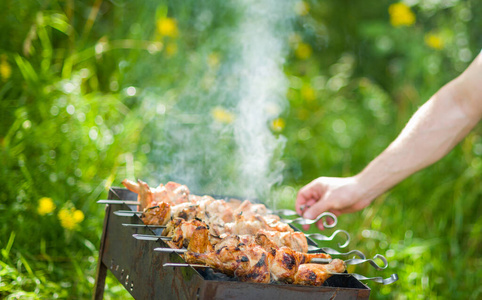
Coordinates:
381	280
321	237
356	261
334	252
303	221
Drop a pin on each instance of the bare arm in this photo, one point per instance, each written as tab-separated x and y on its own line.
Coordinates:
430	134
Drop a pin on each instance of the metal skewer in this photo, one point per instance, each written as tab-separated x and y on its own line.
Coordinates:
354	261
149	237
143	225
170	250
127	213
303	221
130	213
177	265
381	280
321	237
334	252
283	212
127	202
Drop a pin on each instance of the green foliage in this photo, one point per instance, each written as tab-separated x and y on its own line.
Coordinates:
85	87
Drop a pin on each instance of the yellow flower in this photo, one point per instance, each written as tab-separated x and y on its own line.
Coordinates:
308	93
434	41
278	124
303	51
171	49
45	206
78	216
167	27
401	15
222	115
302	8
70	218
5	68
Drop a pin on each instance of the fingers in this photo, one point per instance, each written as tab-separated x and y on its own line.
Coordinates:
307	196
314	211
301	200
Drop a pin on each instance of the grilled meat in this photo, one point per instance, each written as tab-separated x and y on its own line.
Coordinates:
240	239
172	193
157	215
316	274
266	260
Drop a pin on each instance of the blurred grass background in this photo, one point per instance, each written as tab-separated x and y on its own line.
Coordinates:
73	121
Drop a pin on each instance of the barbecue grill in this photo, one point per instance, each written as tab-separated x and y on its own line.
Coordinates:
141	269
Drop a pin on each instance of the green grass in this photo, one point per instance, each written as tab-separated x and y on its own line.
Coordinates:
71	125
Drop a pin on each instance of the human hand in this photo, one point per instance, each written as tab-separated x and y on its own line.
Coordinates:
337	195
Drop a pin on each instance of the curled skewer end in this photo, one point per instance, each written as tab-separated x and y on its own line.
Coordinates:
356	261
321	237
348	238
382	258
325	223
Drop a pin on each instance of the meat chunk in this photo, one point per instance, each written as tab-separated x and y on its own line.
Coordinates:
316	274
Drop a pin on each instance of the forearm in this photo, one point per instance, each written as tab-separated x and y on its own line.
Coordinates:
429	135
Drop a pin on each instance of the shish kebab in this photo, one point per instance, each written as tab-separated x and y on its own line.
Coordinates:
161	204
281	234
257	259
314	274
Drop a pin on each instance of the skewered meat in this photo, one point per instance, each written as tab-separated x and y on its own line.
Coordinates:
316	274
254	264
181	231
175	194
252	224
157	215
295	240
172	193
240	239
266	259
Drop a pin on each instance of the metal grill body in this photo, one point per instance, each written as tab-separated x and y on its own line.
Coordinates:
140	270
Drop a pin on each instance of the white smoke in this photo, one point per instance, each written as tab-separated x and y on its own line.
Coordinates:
241	158
262	88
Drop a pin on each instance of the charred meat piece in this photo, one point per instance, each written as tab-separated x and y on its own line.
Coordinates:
249	264
182	231
286	261
316	274
157	215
